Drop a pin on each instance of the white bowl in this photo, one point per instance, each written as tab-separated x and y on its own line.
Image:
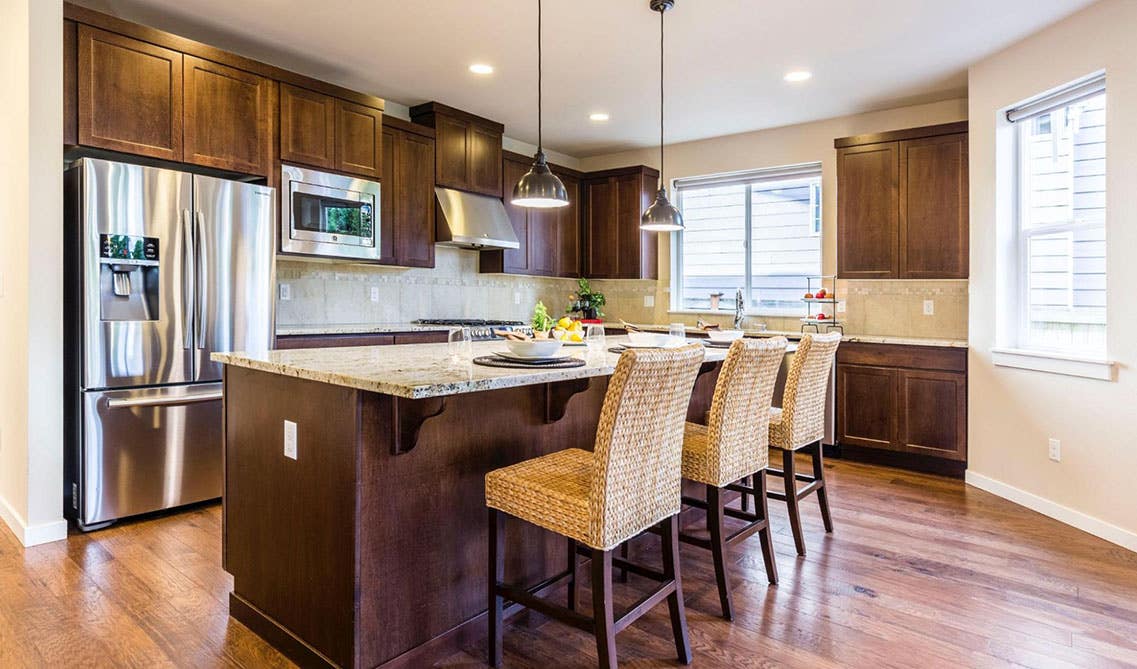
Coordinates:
649	339
534	348
724	335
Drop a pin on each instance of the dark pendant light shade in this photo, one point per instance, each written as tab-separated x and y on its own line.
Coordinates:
539	188
661	216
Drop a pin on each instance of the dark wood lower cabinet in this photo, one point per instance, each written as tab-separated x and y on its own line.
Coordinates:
361	339
910	401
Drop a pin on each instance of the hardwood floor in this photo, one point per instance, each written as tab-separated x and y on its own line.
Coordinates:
921	571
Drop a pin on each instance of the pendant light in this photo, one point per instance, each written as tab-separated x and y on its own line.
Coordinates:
661	216
539	188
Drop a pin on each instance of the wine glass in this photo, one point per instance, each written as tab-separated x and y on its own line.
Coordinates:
594	339
678	331
458	344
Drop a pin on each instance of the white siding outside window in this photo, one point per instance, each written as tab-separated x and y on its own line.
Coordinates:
759	231
1061	228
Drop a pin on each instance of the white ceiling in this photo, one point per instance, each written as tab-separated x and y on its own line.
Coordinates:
725	58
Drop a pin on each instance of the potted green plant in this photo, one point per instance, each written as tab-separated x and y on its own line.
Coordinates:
586	301
542	322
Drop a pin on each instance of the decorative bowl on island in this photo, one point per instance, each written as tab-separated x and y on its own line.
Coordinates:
724	336
534	348
649	339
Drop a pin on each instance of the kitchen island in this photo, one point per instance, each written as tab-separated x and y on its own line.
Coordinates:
361	541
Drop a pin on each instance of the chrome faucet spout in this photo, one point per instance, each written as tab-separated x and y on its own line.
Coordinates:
739	309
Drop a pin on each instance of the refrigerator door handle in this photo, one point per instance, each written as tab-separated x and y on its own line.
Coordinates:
188	256
203	290
162	401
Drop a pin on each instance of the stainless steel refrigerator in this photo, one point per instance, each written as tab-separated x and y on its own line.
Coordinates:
165	268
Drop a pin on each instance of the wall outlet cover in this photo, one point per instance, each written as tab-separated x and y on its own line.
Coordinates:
516	297
290	439
649	300
374	293
929	307
285	292
1055	448
841	306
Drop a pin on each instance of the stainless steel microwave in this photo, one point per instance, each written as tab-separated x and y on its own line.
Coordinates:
330	215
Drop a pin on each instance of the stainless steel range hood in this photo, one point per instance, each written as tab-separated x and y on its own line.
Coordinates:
473	221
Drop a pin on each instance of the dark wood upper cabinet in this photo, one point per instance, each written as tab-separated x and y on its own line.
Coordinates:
407	214
129	95
359	138
905	399
549	239
228	117
307	127
70	83
934	207
468	153
615	247
868	208
902	209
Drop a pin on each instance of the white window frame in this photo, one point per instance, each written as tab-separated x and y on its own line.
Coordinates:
1021	353
748	178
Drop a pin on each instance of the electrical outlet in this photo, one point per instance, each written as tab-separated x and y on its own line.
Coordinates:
516	297
289	439
1055	450
285	292
374	293
929	307
840	306
649	300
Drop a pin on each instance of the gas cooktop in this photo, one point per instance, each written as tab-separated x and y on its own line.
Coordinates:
465	322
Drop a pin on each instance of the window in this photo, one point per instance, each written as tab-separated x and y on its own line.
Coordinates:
759	231
1061	221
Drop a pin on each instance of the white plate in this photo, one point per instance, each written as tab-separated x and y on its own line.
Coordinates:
507	355
574	343
671	343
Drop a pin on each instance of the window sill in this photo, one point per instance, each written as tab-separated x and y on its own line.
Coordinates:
730	312
1055	363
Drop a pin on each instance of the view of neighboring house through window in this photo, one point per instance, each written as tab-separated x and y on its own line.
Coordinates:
759	231
1061	221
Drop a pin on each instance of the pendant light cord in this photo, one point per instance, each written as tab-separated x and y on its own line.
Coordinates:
661	12
539	77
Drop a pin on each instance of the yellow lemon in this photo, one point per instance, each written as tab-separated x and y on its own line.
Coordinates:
576	336
565	322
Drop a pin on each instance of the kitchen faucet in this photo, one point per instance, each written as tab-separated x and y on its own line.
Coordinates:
739	309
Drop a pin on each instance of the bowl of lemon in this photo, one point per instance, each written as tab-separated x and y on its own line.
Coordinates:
569	331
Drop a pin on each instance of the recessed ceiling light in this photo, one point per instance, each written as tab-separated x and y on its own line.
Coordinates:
598	116
798	75
481	68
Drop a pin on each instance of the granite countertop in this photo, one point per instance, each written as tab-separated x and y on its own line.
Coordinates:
356	328
418	371
852	338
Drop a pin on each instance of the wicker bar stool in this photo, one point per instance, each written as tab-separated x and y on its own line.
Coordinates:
731	451
799	425
628	483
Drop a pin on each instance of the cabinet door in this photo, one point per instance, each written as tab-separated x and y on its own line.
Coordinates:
228	117
414	190
484	161
866	406
515	260
600	219
868	207
130	95
544	241
359	136
388	207
933	413
568	231
934	208
307	127
451	152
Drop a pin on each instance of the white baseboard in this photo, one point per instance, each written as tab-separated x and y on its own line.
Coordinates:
1096	527
35	534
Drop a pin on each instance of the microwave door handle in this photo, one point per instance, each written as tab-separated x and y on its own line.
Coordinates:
188	283
202	284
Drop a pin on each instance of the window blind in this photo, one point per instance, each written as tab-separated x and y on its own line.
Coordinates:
1068	95
801	170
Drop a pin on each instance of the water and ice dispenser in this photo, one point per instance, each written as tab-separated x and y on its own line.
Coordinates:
128	277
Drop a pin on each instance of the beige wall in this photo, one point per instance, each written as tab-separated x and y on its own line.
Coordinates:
31	269
1013	412
803	143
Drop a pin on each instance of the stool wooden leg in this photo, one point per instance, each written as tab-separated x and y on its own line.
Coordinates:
624	554
573	570
496	574
675	600
790	476
602	610
822	493
765	535
715	522
745	497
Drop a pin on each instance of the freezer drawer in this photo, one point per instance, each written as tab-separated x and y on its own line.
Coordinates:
149	449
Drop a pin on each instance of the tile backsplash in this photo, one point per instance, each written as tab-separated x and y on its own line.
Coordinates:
342	294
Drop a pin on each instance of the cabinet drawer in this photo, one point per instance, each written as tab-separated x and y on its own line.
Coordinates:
332	341
900	355
422	337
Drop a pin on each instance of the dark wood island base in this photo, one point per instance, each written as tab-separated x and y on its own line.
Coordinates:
369	548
